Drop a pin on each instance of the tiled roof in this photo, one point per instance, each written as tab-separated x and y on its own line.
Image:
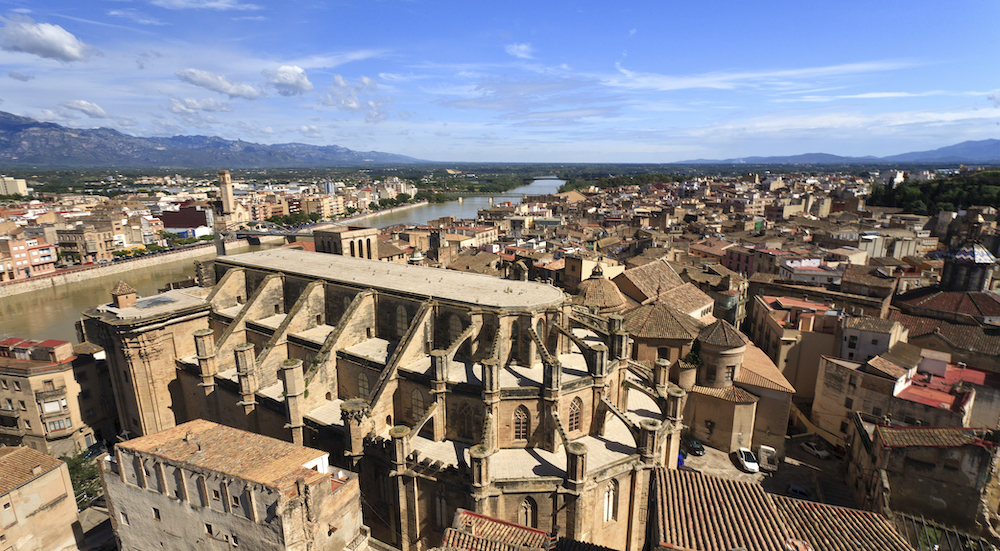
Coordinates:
759	371
661	321
695	511
887	368
686	298
486	529
722	333
17	464
975	304
652	279
869	276
732	394
974	253
207	445
122	288
929	437
968	337
600	292
866	323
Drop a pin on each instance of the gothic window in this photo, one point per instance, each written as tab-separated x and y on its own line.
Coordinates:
402	323
574	414
417	405
352	249
515	337
363	388
369	245
441	511
611	501
465	421
540	329
527	513
521	423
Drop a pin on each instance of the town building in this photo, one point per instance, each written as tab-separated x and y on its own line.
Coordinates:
24	258
38	506
944	474
87	243
54	397
201	485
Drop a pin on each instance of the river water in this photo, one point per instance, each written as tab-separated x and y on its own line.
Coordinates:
52	313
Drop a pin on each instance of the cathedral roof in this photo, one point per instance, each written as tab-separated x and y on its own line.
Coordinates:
974	253
722	333
658	320
122	288
600	291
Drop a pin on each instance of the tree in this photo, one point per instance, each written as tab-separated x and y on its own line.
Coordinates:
314	216
403	198
85	477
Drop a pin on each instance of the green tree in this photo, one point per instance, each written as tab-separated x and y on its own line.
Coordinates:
85	477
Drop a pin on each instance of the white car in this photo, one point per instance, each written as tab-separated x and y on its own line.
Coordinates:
747	460
813	448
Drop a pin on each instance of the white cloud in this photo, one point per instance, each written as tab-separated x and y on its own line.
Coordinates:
22	34
522	51
20	76
289	80
219	5
189	106
218	83
310	131
995	98
92	110
360	96
136	17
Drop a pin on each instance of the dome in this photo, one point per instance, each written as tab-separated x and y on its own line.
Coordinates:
974	253
600	292
722	334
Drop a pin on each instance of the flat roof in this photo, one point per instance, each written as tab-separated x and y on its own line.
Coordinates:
451	285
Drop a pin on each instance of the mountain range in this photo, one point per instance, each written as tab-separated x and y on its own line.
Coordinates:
27	142
31	143
971	152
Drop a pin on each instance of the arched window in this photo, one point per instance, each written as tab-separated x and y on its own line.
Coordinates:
521	423
363	388
369	242
352	248
611	501
574	414
465	421
454	327
417	405
527	513
540	329
402	322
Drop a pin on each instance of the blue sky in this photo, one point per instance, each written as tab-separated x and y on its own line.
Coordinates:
658	81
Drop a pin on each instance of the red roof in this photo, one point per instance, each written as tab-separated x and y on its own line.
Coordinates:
936	392
52	343
10	342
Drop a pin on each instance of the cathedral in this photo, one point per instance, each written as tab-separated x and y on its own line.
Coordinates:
442	390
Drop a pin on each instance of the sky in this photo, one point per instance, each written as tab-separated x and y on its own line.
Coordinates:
515	81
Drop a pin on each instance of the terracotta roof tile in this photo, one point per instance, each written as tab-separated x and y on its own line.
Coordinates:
122	288
686	298
866	323
732	394
759	371
722	333
661	321
930	437
17	464
652	279
968	337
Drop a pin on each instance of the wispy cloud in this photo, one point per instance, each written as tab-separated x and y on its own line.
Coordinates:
876	95
740	79
521	50
136	17
219	5
92	110
20	76
310	131
22	34
189	106
288	80
218	83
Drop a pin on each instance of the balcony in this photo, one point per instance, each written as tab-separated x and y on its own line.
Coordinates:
10	413
54	394
16	430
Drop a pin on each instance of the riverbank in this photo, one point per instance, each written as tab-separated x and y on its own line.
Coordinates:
11	288
381	212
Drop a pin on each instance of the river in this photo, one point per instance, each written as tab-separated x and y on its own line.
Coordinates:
52	313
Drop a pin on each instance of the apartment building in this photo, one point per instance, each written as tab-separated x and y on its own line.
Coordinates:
53	397
87	243
24	258
38	509
201	485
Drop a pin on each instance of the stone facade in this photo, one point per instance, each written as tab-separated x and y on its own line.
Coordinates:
37	509
468	391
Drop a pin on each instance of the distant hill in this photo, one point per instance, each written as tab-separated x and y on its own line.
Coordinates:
973	152
27	142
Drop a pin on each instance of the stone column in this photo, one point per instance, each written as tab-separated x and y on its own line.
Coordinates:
406	509
292	380
551	393
491	398
246	371
661	374
354	413
204	343
576	478
647	440
439	387
481	480
619	337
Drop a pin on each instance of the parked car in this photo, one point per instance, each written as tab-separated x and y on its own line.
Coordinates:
812	448
798	492
748	461
692	446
